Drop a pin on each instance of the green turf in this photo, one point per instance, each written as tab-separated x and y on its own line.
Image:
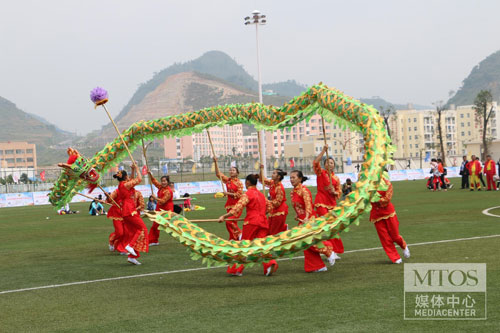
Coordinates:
362	292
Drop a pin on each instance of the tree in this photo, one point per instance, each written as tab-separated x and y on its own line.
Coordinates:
24	178
9	179
386	113
439	113
481	103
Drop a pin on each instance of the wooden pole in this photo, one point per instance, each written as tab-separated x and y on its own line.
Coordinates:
144	148
215	220
89	197
327	162
119	134
215	157
108	196
260	162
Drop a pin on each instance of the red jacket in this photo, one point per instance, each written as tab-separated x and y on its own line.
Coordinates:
475	164
492	166
255	202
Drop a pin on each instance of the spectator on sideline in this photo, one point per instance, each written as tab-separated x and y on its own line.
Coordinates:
474	168
151	203
464	172
490	171
481	172
347	187
442	173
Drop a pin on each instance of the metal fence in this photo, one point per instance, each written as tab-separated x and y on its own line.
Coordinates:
186	171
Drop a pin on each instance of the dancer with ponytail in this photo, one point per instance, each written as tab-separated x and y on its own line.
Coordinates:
255	225
136	233
383	216
302	203
277	208
234	192
116	238
328	191
164	201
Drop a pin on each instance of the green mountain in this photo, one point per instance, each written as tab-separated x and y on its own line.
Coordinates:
17	125
485	76
217	64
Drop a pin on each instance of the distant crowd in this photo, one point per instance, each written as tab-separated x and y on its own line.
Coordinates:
472	173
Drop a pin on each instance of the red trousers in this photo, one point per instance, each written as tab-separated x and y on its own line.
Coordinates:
338	246
154	233
251	231
116	237
135	234
388	233
277	224
490	181
312	257
232	227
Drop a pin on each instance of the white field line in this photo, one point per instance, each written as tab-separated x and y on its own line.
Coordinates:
205	268
486	211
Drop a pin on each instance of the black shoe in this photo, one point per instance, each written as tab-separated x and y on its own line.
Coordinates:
472	190
479	189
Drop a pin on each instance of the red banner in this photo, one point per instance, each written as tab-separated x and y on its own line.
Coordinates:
292	163
144	170
42	175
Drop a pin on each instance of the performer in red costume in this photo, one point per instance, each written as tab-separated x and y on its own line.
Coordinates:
328	191
302	203
490	170
383	215
139	202
255	225
135	233
277	207
163	202
234	192
115	214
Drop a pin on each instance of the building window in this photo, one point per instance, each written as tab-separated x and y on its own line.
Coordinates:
19	160
300	149
416	145
410	145
19	151
1	152
468	123
462	124
30	159
468	115
469	132
461	115
410	137
415	129
10	151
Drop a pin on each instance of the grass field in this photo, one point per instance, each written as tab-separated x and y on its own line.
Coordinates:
362	292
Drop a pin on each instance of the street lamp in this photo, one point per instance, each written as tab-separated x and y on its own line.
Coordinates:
258	19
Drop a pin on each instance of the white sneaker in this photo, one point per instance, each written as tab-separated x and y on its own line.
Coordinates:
406	252
111	247
331	259
133	261
322	269
399	261
130	250
337	257
154	244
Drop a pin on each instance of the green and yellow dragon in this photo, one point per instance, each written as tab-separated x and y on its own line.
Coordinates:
330	103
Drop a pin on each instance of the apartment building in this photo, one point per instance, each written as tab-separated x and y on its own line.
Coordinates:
18	155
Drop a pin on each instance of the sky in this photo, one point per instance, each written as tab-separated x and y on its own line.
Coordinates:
54	52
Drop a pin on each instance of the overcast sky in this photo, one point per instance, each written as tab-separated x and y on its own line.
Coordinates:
54	52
